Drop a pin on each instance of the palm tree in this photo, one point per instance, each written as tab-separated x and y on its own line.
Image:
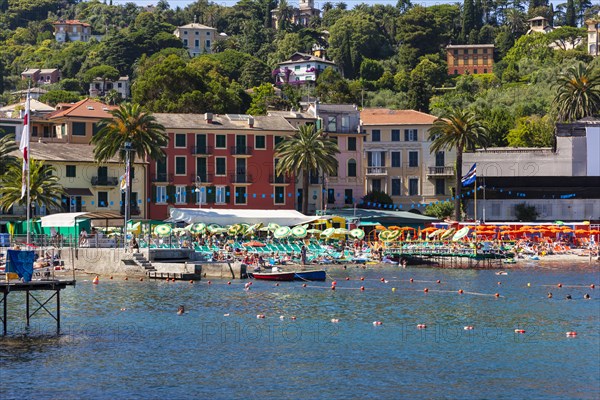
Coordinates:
44	189
327	6
460	130
7	146
308	151
578	93
130	125
284	14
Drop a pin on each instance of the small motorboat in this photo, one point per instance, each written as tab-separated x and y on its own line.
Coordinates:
501	273
509	261
273	276
310	275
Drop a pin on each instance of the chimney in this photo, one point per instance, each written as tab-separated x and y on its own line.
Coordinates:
208	117
251	122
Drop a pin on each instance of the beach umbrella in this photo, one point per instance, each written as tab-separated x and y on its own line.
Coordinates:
235	229
213	227
162	230
394	228
314	231
436	233
328	232
134	227
273	227
448	234
264	229
407	228
380	228
341	231
282	232
559	223
299	232
253	228
254	243
429	229
198	227
357	233
219	230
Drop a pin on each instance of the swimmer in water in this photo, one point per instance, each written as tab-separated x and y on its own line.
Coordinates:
180	310
586	296
568	297
549	295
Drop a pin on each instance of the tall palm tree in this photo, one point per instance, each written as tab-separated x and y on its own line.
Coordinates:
578	92
130	124
284	15
460	130
308	151
44	189
7	146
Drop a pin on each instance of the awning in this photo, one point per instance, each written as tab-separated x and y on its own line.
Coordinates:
61	219
229	216
100	218
78	192
368	223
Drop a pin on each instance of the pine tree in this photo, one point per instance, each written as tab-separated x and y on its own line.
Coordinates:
478	14
468	20
570	16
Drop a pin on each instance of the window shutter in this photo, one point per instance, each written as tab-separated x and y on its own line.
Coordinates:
210	194
153	197
383	158
406	135
190	192
170	194
227	194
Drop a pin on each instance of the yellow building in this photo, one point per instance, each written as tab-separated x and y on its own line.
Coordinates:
470	58
89	186
398	159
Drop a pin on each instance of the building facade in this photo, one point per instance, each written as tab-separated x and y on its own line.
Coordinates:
470	58
593	29
197	38
340	122
220	161
43	76
301	69
75	123
398	160
299	16
99	87
562	184
72	30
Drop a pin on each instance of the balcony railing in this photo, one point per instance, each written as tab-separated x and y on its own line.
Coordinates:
241	150
240	178
376	171
201	150
440	171
105	181
133	210
201	179
162	177
279	179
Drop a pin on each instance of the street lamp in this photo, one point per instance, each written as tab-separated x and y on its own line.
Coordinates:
199	190
127	206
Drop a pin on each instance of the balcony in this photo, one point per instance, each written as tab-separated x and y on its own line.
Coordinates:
279	179
134	210
240	178
201	179
440	171
377	171
241	150
201	150
105	181
162	178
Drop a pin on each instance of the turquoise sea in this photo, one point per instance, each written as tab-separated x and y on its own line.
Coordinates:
124	339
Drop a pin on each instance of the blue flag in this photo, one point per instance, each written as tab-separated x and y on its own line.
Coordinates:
470	176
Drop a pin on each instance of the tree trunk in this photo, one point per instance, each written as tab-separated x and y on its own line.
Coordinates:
458	187
305	192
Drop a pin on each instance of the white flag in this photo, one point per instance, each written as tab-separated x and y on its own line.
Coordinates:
24	147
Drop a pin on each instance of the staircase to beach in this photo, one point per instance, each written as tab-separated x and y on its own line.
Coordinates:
141	260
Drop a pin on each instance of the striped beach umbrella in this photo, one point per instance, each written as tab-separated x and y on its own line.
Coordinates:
213	227
357	233
273	227
162	230
299	232
198	227
282	232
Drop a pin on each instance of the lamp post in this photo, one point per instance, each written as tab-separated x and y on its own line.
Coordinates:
199	190
127	205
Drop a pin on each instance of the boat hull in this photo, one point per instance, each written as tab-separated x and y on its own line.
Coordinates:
317	275
274	276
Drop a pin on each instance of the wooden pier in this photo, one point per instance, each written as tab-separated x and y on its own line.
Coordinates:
178	276
447	259
52	285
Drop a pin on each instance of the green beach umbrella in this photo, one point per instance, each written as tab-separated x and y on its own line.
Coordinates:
341	231
328	232
435	233
282	232
357	233
162	230
198	227
273	227
313	231
299	232
253	228
212	227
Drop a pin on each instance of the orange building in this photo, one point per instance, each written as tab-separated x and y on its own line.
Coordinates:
470	58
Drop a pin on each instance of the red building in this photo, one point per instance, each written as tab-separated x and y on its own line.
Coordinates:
219	161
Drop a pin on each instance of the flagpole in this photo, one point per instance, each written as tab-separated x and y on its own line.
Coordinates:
26	132
475	217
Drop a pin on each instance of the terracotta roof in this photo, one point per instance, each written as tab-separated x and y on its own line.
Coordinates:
384	116
195	25
87	108
469	46
71	22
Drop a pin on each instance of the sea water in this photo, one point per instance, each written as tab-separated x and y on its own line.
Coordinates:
124	339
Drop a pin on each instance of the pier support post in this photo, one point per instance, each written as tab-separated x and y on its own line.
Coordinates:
27	307
4	306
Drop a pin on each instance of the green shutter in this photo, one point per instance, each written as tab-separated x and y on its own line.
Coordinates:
170	194
227	194
210	194
153	198
190	192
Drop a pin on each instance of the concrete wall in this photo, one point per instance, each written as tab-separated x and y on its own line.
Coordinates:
101	261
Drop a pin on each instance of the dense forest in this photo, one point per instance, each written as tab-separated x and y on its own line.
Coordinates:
391	56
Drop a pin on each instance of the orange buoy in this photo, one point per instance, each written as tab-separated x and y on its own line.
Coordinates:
304	285
362	288
592	286
382	279
96	280
332	287
191	281
571	334
333	283
209	282
347	278
293	317
519	330
497	294
229	282
362	278
559	285
421	326
172	279
377	323
499	283
411	280
468	328
438	281
460	291
126	278
111	277
425	290
277	284
165	279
